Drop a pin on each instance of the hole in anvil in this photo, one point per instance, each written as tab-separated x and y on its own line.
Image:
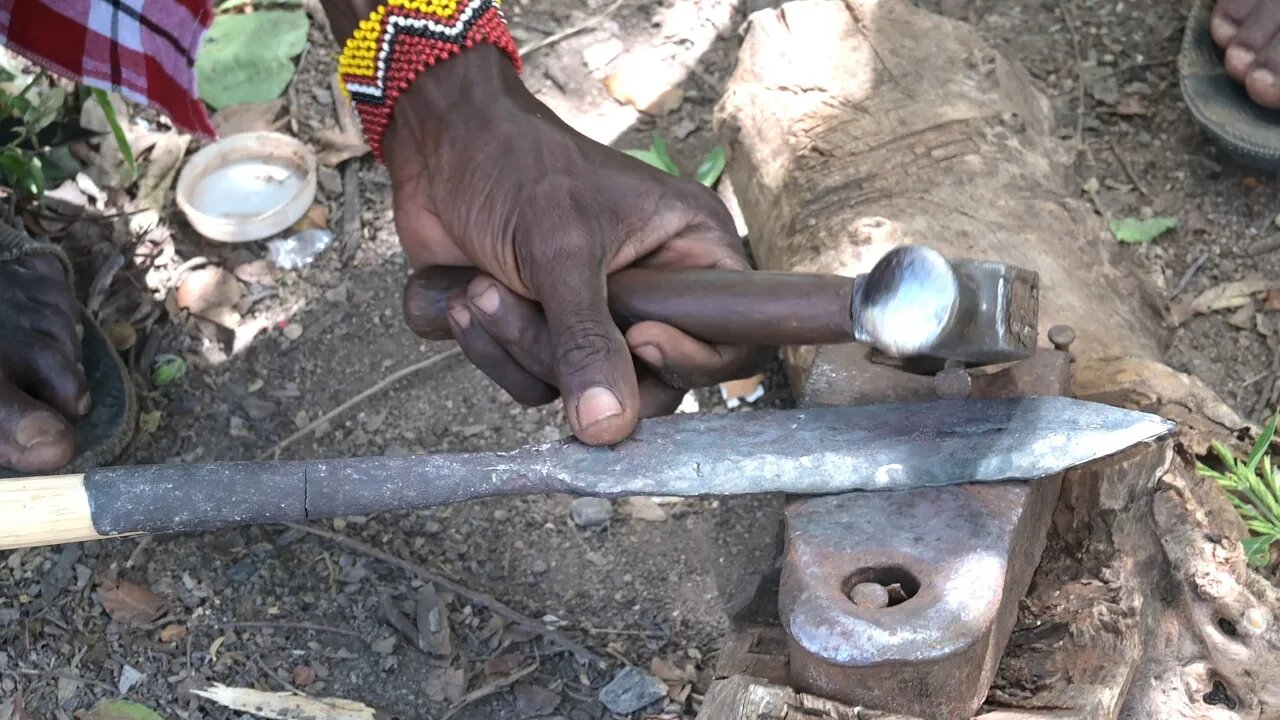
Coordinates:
898	582
1219	696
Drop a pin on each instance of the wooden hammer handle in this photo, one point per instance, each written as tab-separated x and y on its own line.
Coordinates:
44	510
717	306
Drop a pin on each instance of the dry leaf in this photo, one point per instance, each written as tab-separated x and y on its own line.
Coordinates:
535	701
434	636
337	146
253	117
285	706
1242	318
502	665
1221	297
643	508
173	633
455	684
161	170
14	708
303	675
1132	105
317	218
208	287
129	602
1272	301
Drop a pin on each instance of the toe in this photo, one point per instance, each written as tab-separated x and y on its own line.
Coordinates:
1259	27
33	438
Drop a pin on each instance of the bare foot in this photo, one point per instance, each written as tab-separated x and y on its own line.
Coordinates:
1249	32
42	385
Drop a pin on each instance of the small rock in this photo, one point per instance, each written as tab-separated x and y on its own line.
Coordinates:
649	83
293	330
632	690
322	95
644	508
208	287
590	512
303	676
9	616
539	566
551	434
501	515
129	677
330	181
472	430
432	527
173	633
684	129
384	646
337	294
238	427
258	409
242	571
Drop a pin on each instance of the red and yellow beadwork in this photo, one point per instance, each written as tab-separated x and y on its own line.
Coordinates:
404	37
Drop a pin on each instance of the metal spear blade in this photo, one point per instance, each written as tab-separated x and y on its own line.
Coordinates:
841	449
813	451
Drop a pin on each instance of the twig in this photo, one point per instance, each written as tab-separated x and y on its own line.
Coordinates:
1125	68
1128	171
568	32
618	631
62	675
296	626
351	231
383	384
487	690
1190	273
474	596
1075	45
292	94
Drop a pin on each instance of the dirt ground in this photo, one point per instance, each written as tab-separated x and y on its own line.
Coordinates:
639	589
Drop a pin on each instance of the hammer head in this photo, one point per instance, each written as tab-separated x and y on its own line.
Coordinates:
917	304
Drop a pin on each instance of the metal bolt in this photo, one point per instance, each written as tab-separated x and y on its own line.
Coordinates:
952	384
1062	336
871	595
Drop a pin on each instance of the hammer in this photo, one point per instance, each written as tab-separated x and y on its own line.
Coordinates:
914	304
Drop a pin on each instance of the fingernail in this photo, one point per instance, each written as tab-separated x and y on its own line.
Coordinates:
84	404
37	429
1264	77
650	354
1240	57
596	404
461	317
487	301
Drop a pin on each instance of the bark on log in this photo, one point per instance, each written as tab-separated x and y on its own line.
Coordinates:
853	126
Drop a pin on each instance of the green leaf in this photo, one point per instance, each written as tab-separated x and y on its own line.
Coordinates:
122	141
35	177
1140	232
46	109
646	156
659	147
121	710
249	58
168	368
711	168
1264	441
1258	549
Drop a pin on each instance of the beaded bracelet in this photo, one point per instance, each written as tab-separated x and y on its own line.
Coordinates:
405	37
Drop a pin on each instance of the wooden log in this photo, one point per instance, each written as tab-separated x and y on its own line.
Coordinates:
854	126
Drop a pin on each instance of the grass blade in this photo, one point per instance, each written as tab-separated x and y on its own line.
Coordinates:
711	168
1264	442
122	141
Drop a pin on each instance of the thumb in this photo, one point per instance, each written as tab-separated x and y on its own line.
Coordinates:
594	370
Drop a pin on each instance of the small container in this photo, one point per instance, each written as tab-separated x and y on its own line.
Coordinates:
247	187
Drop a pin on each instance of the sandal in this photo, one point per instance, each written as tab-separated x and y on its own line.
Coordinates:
1248	132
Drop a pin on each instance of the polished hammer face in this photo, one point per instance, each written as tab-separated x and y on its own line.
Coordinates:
907	302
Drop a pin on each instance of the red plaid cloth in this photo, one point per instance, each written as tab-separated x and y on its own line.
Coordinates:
143	49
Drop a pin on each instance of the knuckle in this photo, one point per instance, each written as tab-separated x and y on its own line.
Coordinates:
583	345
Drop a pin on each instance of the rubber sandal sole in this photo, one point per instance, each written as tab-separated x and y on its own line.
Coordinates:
1247	131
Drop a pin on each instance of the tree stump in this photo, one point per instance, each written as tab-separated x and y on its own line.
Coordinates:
855	126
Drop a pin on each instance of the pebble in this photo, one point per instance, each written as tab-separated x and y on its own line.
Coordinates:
432	527
242	571
501	515
590	512
538	567
293	330
337	294
632	690
258	409
330	181
129	677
